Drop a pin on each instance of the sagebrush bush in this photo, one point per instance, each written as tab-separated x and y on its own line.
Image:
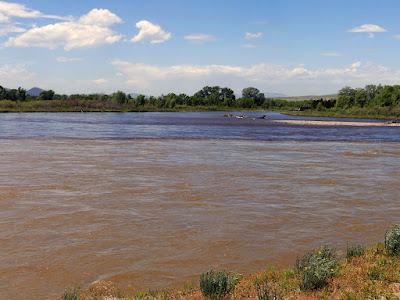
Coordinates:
315	268
267	292
355	250
71	293
392	240
216	285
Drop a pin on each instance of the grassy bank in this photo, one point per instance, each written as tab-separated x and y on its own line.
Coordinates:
378	112
360	273
7	106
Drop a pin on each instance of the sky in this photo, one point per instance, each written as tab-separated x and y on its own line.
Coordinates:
154	47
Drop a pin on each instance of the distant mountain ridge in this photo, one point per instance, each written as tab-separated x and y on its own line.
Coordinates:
274	95
35	91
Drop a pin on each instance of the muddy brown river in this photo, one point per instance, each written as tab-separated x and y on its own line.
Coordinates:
153	213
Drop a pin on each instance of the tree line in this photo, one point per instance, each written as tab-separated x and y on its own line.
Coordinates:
213	97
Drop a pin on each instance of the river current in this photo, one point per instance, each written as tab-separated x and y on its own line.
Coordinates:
150	200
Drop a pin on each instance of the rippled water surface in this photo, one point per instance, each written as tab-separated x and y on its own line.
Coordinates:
183	125
151	213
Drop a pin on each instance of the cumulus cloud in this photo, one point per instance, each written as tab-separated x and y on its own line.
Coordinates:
297	80
90	30
368	28
63	59
250	36
100	17
150	32
200	38
10	9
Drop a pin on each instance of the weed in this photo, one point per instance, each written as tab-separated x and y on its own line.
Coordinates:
216	285
71	293
316	267
267	292
392	241
355	250
188	287
349	296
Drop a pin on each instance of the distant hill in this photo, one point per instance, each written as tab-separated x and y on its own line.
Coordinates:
134	95
274	95
34	91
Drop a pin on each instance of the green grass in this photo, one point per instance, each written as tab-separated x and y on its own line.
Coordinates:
216	285
71	293
377	112
316	267
355	250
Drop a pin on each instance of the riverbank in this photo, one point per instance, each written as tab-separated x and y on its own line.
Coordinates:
377	112
7	106
365	273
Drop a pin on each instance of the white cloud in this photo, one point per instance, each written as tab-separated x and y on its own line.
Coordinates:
200	38
21	11
64	59
397	36
150	32
100	81
8	28
100	17
297	80
250	36
3	18
331	54
84	33
15	75
368	28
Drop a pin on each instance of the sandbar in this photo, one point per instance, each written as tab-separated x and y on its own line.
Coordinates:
336	123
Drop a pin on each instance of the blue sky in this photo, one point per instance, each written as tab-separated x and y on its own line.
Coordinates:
156	47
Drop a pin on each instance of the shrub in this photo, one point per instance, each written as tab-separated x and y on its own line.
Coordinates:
71	293
316	267
267	292
392	241
355	250
216	285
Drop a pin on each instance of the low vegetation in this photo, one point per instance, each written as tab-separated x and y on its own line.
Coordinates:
364	273
71	293
216	285
373	101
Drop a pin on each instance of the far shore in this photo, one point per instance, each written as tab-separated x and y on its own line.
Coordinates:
337	123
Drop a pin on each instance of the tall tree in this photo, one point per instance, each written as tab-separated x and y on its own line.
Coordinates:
253	93
47	95
21	94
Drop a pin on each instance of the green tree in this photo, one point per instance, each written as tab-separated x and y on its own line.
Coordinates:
361	97
120	97
47	95
346	97
253	93
140	100
21	94
3	92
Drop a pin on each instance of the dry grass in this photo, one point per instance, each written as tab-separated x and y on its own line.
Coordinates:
374	275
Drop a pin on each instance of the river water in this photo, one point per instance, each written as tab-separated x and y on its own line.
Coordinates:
150	200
